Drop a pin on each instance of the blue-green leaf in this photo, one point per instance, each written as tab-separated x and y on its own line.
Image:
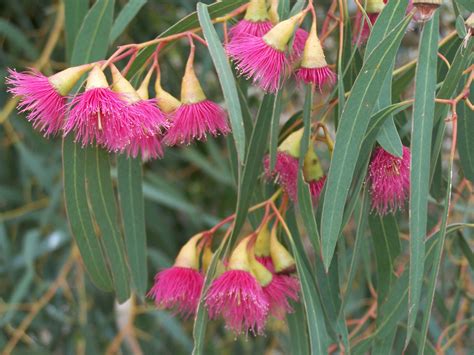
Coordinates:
354	121
128	12
422	126
226	79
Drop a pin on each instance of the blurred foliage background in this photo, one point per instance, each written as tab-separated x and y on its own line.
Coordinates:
47	303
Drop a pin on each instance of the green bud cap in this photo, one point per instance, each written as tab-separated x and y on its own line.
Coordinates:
261	273
239	259
123	86
291	145
312	169
282	259
191	90
374	6
188	256
313	54
262	244
65	80
279	36
256	11
165	101
273	12
96	79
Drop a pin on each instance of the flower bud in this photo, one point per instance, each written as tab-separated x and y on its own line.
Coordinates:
239	258
96	79
188	256
281	257
313	54
279	36
312	169
191	90
291	144
273	12
374	6
256	11
123	86
65	80
166	102
262	244
426	8
207	256
260	272
143	89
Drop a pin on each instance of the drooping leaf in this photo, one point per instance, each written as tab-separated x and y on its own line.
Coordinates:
422	126
226	79
74	11
353	125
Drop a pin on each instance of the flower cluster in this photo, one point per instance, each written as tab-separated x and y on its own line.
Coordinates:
255	282
260	50
115	115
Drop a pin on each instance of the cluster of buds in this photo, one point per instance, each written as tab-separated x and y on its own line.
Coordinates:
285	171
260	49
115	115
254	283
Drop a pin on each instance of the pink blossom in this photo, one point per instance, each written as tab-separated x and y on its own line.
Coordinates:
267	262
146	117
179	289
299	42
257	28
389	179
149	146
100	115
317	76
316	186
194	120
47	108
259	61
238	297
365	32
285	173
279	291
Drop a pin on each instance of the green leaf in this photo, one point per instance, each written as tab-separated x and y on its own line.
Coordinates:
127	14
253	162
466	250
460	27
447	91
436	263
16	38
94	33
276	116
467	4
298	330
353	125
102	198
79	217
74	11
129	173
318	337
186	23
422	126
89	46
226	79
465	137
387	247
392	14
305	201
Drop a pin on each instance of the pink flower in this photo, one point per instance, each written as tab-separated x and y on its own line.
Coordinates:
298	44
238	297
267	262
317	76
149	146
179	289
285	173
147	117
100	115
46	106
254	28
194	120
316	186
365	32
278	291
389	179
256	59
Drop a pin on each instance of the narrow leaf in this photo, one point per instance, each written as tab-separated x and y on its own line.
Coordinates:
353	126
74	11
226	79
125	16
422	126
129	174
